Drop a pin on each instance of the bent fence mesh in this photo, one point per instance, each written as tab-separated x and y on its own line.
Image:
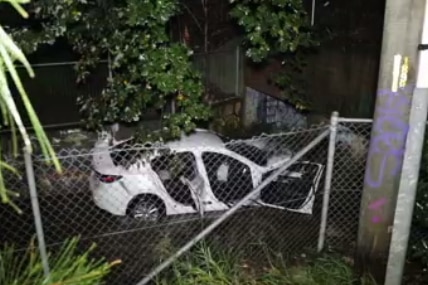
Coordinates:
141	203
152	200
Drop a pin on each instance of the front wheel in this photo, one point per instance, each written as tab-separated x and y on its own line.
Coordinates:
147	209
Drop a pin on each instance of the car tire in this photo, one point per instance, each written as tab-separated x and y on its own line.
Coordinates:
147	208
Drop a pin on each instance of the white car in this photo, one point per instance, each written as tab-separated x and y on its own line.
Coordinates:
197	174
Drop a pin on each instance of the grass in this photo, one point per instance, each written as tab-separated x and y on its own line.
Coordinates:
206	265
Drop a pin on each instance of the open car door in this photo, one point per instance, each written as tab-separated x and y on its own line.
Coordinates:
295	189
196	188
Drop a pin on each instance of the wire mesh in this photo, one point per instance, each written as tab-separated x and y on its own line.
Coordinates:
17	227
347	184
140	203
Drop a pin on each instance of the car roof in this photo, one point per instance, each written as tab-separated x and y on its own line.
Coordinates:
197	139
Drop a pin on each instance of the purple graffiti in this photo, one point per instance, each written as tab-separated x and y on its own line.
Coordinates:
389	136
387	147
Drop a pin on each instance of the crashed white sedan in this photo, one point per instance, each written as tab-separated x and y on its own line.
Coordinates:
198	174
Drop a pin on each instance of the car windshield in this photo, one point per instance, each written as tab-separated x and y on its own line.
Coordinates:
250	152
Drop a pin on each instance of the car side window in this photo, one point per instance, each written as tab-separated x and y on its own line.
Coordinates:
175	165
288	191
171	168
230	179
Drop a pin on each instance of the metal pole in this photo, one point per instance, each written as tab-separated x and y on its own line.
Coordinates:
411	165
36	210
355	120
237	70
401	36
232	210
328	178
110	73
313	13
52	64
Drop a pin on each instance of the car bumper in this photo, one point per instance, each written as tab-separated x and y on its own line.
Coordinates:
112	198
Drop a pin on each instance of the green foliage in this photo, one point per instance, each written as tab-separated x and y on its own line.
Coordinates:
278	29
419	247
292	80
67	267
272	26
208	266
148	70
9	53
420	217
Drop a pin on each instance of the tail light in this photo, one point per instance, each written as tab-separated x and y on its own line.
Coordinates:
107	178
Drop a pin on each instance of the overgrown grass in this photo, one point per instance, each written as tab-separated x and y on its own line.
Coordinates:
214	267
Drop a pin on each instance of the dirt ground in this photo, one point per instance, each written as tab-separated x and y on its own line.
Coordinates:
140	245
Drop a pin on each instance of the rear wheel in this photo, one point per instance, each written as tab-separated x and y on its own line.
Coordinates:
147	208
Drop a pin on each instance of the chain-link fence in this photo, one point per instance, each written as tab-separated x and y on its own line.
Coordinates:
144	203
347	183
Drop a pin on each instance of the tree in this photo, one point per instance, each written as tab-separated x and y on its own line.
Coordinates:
279	30
149	70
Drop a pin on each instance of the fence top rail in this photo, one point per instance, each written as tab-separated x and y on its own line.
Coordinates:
71	125
265	142
354	120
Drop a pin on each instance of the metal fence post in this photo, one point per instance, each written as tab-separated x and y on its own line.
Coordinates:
328	177
36	210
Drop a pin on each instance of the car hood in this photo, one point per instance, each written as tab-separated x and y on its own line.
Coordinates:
277	161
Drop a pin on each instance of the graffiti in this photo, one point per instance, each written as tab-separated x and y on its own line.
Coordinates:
387	148
261	107
376	206
390	132
389	135
282	114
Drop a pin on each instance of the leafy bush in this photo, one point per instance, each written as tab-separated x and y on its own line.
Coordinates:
279	30
418	245
148	70
67	267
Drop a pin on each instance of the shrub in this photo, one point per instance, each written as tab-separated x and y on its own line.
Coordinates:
216	267
67	267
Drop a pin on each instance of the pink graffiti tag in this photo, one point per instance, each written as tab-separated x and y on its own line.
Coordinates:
377	206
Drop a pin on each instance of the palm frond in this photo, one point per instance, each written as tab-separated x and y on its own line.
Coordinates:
9	53
67	266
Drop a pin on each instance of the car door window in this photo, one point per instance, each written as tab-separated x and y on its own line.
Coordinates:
292	189
230	179
171	169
